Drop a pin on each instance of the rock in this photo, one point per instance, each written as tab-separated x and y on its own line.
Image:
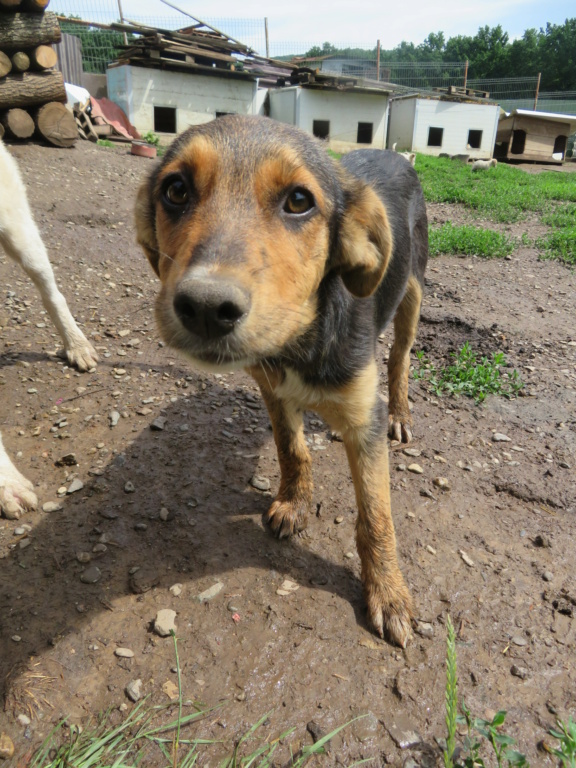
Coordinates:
287	588
124	653
51	506
91	575
113	418
75	485
416	468
176	590
83	557
443	483
402	731
165	515
498	437
143	579
129	487
519	641
158	424
260	483
6	747
210	593
424	629
338	519
134	690
414	452
548	576
164	622
69	460
520	672
23	720
467	559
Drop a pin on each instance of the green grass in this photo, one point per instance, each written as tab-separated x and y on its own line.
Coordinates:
469	376
105	143
470	241
503	194
560	244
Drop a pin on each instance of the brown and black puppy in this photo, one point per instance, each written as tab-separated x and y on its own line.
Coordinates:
276	259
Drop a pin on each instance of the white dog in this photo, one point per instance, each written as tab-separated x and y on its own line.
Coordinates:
410	156
484	165
21	240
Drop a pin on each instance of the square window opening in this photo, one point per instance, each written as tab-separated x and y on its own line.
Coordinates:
364	133
435	137
321	129
474	139
165	119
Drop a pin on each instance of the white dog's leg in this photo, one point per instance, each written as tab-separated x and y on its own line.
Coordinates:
16	493
21	240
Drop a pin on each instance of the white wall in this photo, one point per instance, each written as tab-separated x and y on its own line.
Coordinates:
401	125
344	110
197	98
456	119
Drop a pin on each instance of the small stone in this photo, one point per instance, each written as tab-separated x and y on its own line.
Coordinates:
134	690
260	483
16	639
176	590
75	485
498	437
338	519
99	549
287	588
91	575
416	468
83	557
210	593
548	576
124	653
129	487
519	641
467	559
51	506
165	515
443	483
23	720
430	549
414	452
143	579
6	747
424	629
520	672
158	424
402	731
349	555
164	622
113	418
69	460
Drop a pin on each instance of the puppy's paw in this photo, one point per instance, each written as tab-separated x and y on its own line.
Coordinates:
390	612
82	355
286	518
16	493
399	428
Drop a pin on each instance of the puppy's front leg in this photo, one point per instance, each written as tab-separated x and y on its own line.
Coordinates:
289	512
361	418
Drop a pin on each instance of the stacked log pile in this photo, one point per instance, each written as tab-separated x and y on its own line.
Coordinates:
32	93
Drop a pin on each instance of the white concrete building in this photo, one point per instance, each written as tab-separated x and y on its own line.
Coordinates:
347	119
435	125
169	101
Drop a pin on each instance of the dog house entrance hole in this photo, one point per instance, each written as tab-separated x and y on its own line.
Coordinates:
321	129
560	146
435	137
165	119
474	139
364	133
518	142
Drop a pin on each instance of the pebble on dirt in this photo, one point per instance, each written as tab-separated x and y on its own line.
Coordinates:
442	482
260	483
164	623
210	593
520	672
287	588
467	559
51	506
124	653
158	424
91	575
113	418
498	437
415	468
75	485
134	690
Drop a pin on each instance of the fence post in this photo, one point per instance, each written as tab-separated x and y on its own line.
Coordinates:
537	91
266	35
377	59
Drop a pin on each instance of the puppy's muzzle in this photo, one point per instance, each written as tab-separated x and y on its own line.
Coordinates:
211	307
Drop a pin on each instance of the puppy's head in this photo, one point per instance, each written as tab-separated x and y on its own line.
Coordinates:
241	221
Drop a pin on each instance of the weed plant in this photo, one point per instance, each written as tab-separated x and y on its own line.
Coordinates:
469	376
470	241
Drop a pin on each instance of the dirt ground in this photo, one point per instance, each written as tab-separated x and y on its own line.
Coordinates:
175	506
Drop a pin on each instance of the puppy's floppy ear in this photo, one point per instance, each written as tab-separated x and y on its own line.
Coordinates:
365	243
145	229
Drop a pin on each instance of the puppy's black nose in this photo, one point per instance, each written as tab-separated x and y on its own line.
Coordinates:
211	307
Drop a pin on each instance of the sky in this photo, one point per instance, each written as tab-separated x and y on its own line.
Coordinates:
341	21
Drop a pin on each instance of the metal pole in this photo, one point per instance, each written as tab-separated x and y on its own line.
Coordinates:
537	91
203	23
266	35
122	21
466	73
377	59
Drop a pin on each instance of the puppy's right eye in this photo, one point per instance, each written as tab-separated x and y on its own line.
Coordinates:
176	192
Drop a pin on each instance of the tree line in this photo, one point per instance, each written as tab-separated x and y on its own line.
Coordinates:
490	53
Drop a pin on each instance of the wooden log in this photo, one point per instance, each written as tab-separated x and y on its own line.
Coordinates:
43	57
20	62
17	123
56	124
27	30
30	89
5	64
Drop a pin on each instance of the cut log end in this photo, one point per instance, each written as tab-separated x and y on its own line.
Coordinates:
56	124
17	124
20	62
44	57
5	64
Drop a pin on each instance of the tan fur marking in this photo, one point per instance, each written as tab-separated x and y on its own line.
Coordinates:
405	327
201	157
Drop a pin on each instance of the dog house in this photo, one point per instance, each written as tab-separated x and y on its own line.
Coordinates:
538	136
435	124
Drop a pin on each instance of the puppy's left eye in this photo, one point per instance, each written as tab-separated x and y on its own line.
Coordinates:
299	201
176	192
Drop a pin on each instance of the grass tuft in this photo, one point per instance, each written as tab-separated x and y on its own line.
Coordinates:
470	241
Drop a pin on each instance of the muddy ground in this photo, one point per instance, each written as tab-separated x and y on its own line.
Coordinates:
177	504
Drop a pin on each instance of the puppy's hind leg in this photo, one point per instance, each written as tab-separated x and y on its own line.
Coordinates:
405	327
16	492
289	512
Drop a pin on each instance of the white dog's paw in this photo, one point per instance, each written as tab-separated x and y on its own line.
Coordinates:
82	355
16	493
